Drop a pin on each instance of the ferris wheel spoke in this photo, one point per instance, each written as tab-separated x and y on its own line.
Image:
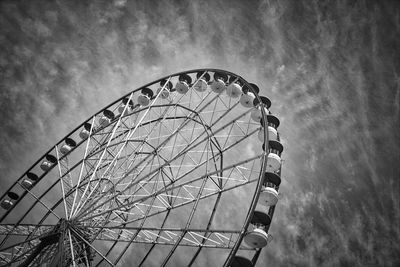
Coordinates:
191	146
154	244
211	238
201	165
71	247
190	201
38	199
81	169
198	166
204	240
135	193
188	118
94	173
98	232
185	201
91	166
192	161
100	139
213	112
128	135
141	162
92	247
105	196
188	223
185	122
63	183
234	144
134	235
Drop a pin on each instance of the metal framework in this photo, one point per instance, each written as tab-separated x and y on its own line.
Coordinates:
176	178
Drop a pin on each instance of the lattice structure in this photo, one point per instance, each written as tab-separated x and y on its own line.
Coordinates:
176	166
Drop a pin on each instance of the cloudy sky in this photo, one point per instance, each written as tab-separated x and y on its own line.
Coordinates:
331	69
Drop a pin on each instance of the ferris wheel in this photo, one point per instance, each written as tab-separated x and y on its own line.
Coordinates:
184	171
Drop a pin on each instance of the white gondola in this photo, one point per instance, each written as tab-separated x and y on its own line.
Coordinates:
272	134
202	82
68	146
274	162
164	92
7	204
269	190
49	161
256	114
274	156
234	89
107	117
247	99
257	237
219	84
248	96
273	123
125	109
84	134
275	149
268	196
182	86
29	182
145	97
165	89
9	201
45	166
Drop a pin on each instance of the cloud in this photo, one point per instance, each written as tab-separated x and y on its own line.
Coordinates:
330	70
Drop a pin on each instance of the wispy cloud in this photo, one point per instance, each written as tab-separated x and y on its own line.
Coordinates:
330	70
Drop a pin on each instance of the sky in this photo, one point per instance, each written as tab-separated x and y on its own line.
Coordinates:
330	68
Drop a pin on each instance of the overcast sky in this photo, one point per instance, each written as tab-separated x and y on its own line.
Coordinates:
331	69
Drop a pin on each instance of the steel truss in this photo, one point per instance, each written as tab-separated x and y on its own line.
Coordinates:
151	176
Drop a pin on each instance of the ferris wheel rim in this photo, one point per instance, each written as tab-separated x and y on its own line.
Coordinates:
259	183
